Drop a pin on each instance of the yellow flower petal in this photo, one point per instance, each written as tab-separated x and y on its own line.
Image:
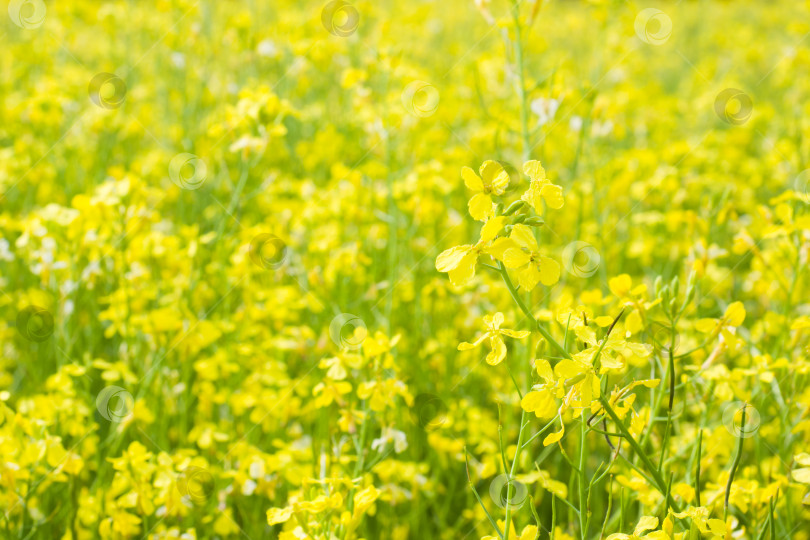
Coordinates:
480	207
472	180
802	459
801	475
494	176
528	277
735	314
554	437
524	237
540	402
549	271
450	259
529	533
515	258
718	527
498	352
534	170
553	196
499	246
278	515
646	523
706	325
491	228
464	271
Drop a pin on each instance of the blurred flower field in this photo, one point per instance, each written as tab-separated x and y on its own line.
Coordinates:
350	270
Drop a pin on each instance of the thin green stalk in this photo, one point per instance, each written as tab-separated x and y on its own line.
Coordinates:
609	507
512	475
475	492
697	468
651	468
519	301
543	430
735	463
583	522
553	515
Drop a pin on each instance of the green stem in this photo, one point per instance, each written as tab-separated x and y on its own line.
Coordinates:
519	301
512	476
735	464
524	112
583	522
661	485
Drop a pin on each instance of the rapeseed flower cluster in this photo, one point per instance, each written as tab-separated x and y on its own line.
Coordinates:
349	270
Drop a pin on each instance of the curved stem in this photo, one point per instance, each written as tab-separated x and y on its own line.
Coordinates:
661	485
519	301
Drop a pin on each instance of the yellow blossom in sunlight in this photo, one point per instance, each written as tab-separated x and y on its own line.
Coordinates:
724	326
541	400
645	524
532	266
459	262
492	181
700	517
492	324
540	188
529	532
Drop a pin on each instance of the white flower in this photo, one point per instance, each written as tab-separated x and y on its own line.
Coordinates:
390	434
545	109
267	48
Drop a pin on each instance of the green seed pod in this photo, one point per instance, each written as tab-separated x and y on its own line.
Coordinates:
534	221
675	286
665	293
690	284
514	207
520	218
690	294
498	209
658	282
